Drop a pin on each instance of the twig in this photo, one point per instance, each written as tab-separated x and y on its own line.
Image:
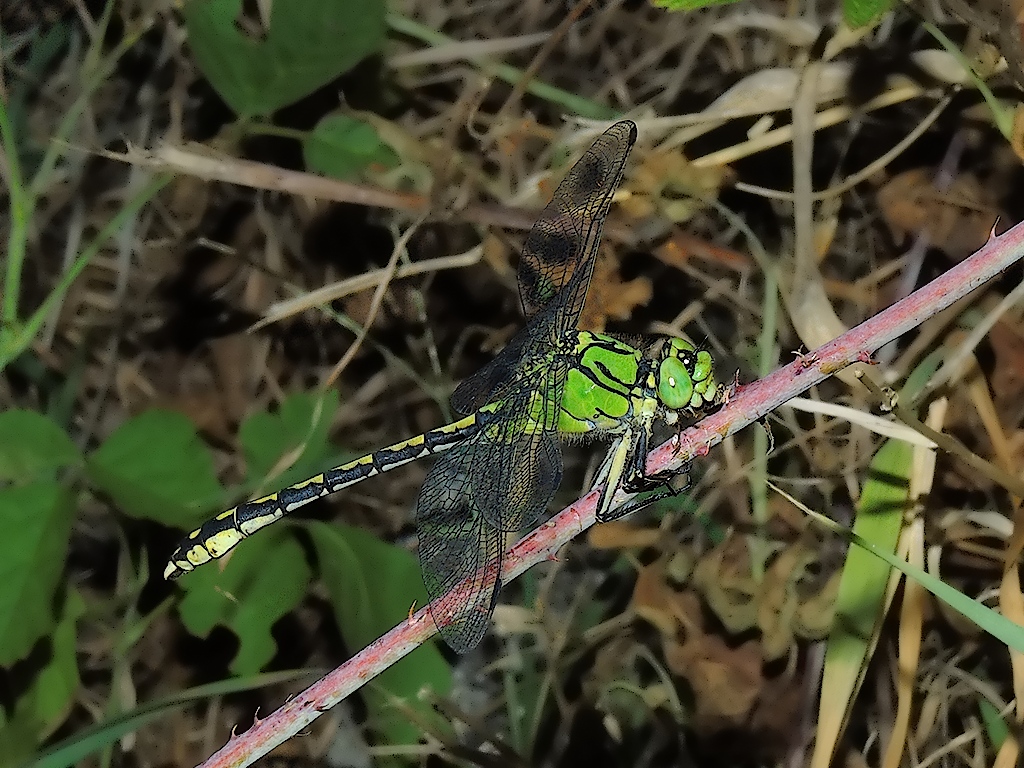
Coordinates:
375	302
953	447
746	405
197	161
553	41
325	294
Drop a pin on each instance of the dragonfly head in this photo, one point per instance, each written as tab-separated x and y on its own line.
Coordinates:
685	376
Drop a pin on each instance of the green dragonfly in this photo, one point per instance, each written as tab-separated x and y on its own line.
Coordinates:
500	465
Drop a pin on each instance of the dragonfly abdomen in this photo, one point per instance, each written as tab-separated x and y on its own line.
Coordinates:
219	535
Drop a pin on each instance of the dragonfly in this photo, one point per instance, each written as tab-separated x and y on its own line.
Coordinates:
498	466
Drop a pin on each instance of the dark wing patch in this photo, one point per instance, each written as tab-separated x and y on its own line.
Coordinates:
556	267
559	255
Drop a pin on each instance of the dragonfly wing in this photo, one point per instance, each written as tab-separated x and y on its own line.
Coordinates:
527	473
496	378
556	266
530	346
501	479
525	460
458	546
560	252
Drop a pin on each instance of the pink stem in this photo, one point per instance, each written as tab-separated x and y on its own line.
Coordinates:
748	404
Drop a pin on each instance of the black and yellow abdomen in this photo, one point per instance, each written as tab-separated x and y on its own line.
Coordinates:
219	535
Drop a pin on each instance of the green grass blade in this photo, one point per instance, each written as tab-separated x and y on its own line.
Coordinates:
74	749
18	343
572	103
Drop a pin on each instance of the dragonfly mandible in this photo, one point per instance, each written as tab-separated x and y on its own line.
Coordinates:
499	466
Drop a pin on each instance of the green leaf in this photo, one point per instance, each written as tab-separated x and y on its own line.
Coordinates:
47	702
36	521
53	691
247	592
308	44
860	13
31	445
17	742
995	726
290	445
155	466
341	146
372	586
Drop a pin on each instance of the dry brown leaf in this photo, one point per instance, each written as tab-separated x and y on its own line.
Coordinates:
778	709
958	220
1008	375
203	408
665	183
726	682
237	361
653	600
723	578
611	298
621	534
682	246
786	609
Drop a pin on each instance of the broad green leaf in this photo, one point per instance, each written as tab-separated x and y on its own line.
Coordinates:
860	13
31	444
372	586
261	581
308	44
46	703
290	445
17	741
53	691
36	521
341	146
155	466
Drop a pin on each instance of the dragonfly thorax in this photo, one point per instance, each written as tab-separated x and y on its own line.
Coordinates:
605	378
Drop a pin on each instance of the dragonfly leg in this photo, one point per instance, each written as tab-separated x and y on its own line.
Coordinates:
637	480
668	488
626	467
611	472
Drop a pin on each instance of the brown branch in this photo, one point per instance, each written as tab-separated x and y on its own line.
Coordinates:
200	162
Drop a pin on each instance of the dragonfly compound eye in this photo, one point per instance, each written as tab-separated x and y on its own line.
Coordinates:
703	367
675	385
